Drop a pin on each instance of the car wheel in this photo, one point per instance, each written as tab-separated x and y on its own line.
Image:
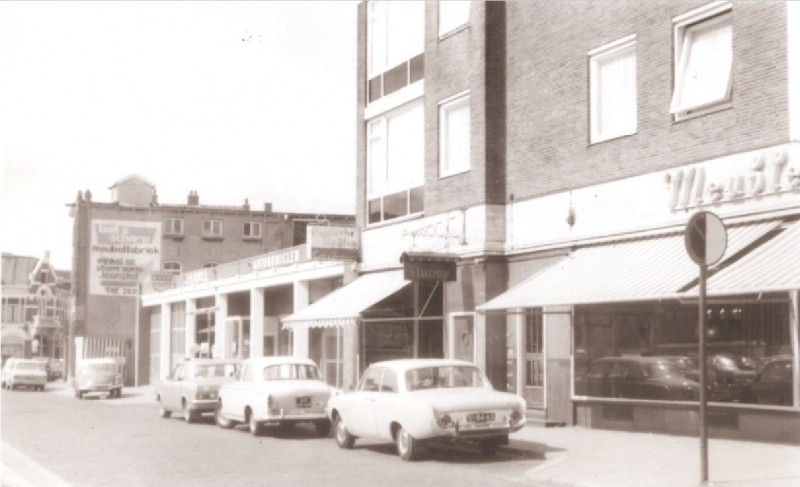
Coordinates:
162	411
220	419
79	394
407	446
255	427
188	415
488	448
323	428
343	437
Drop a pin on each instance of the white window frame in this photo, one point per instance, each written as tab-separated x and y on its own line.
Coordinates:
172	266
597	59
449	105
212	228
453	16
171	223
251	233
684	28
383	52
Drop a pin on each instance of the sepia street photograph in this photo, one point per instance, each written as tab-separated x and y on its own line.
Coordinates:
293	243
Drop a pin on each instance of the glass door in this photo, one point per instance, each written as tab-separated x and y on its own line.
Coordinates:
534	361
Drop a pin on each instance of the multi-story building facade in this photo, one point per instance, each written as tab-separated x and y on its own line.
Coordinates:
134	245
526	171
35	307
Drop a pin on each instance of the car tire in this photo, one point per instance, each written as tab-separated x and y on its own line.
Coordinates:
323	428
408	447
163	412
343	437
188	415
79	394
488	448
221	421
256	428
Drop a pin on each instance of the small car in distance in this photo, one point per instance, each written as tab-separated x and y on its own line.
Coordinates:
412	402
93	375
192	387
18	372
279	391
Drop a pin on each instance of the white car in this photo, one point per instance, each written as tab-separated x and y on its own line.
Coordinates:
18	372
192	387
278	391
415	401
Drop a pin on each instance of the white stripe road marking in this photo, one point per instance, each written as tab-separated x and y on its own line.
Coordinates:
19	470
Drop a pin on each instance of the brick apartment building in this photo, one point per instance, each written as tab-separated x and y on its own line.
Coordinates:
526	171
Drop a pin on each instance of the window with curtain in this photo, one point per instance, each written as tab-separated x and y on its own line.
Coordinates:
613	93
703	63
452	15
454	137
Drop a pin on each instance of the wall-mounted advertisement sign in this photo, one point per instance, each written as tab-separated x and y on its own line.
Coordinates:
332	242
121	254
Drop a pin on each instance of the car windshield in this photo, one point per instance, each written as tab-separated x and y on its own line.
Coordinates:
444	377
662	370
30	365
291	372
107	367
214	370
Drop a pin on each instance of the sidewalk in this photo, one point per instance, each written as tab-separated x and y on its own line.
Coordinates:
580	457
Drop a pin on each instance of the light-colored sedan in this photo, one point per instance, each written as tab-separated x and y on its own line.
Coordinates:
415	401
103	375
192	387
18	372
278	391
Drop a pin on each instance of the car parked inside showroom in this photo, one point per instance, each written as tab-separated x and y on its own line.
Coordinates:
414	402
773	384
98	375
275	391
19	372
633	377
193	386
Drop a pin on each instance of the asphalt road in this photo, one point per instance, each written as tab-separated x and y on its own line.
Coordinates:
123	442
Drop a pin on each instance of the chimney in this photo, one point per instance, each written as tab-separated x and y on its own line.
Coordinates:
193	199
267	207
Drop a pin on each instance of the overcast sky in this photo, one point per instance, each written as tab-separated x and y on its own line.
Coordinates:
234	100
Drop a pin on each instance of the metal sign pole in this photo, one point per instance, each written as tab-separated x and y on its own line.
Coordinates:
701	357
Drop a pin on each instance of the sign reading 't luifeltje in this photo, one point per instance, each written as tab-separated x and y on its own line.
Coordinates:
428	268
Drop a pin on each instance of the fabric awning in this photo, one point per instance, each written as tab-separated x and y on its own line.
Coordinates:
772	267
648	268
13	334
343	306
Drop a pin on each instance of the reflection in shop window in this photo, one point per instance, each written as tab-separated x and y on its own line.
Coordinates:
748	352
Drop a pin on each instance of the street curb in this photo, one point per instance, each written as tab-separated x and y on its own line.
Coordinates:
19	470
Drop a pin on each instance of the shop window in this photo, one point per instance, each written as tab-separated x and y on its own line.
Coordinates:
174	267
212	229
453	14
395	44
395	163
612	74
251	230
454	137
703	60
649	352
173	227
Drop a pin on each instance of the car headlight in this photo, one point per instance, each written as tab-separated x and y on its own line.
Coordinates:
444	421
516	416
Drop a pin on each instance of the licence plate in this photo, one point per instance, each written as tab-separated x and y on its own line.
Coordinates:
480	417
303	402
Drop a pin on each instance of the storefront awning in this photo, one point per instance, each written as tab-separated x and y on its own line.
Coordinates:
13	334
343	306
772	267
643	269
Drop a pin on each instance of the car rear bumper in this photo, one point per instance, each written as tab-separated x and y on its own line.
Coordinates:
203	405
294	416
99	388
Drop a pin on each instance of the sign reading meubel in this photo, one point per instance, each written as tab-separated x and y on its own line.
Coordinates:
121	253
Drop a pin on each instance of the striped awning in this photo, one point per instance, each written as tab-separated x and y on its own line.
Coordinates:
643	269
772	267
343	306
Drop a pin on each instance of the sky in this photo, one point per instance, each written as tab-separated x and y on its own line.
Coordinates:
236	100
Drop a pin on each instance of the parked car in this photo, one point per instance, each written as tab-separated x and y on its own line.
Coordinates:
655	378
93	375
18	372
275	391
686	365
727	379
192	387
416	401
773	384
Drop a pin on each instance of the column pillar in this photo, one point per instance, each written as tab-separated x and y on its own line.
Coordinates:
222	329
257	322
190	326
164	358
301	299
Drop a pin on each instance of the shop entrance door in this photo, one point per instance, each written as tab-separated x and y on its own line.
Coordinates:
534	361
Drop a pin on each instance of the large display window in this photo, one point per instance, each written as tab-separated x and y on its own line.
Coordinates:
649	351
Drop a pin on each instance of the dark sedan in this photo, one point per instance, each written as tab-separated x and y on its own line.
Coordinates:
773	384
653	378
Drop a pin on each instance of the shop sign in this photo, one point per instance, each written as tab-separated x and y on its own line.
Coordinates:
121	253
428	268
293	255
333	242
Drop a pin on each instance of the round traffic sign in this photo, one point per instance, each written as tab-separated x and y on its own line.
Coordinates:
706	238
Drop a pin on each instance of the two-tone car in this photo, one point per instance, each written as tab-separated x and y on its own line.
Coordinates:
18	372
413	402
98	375
275	391
192	388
